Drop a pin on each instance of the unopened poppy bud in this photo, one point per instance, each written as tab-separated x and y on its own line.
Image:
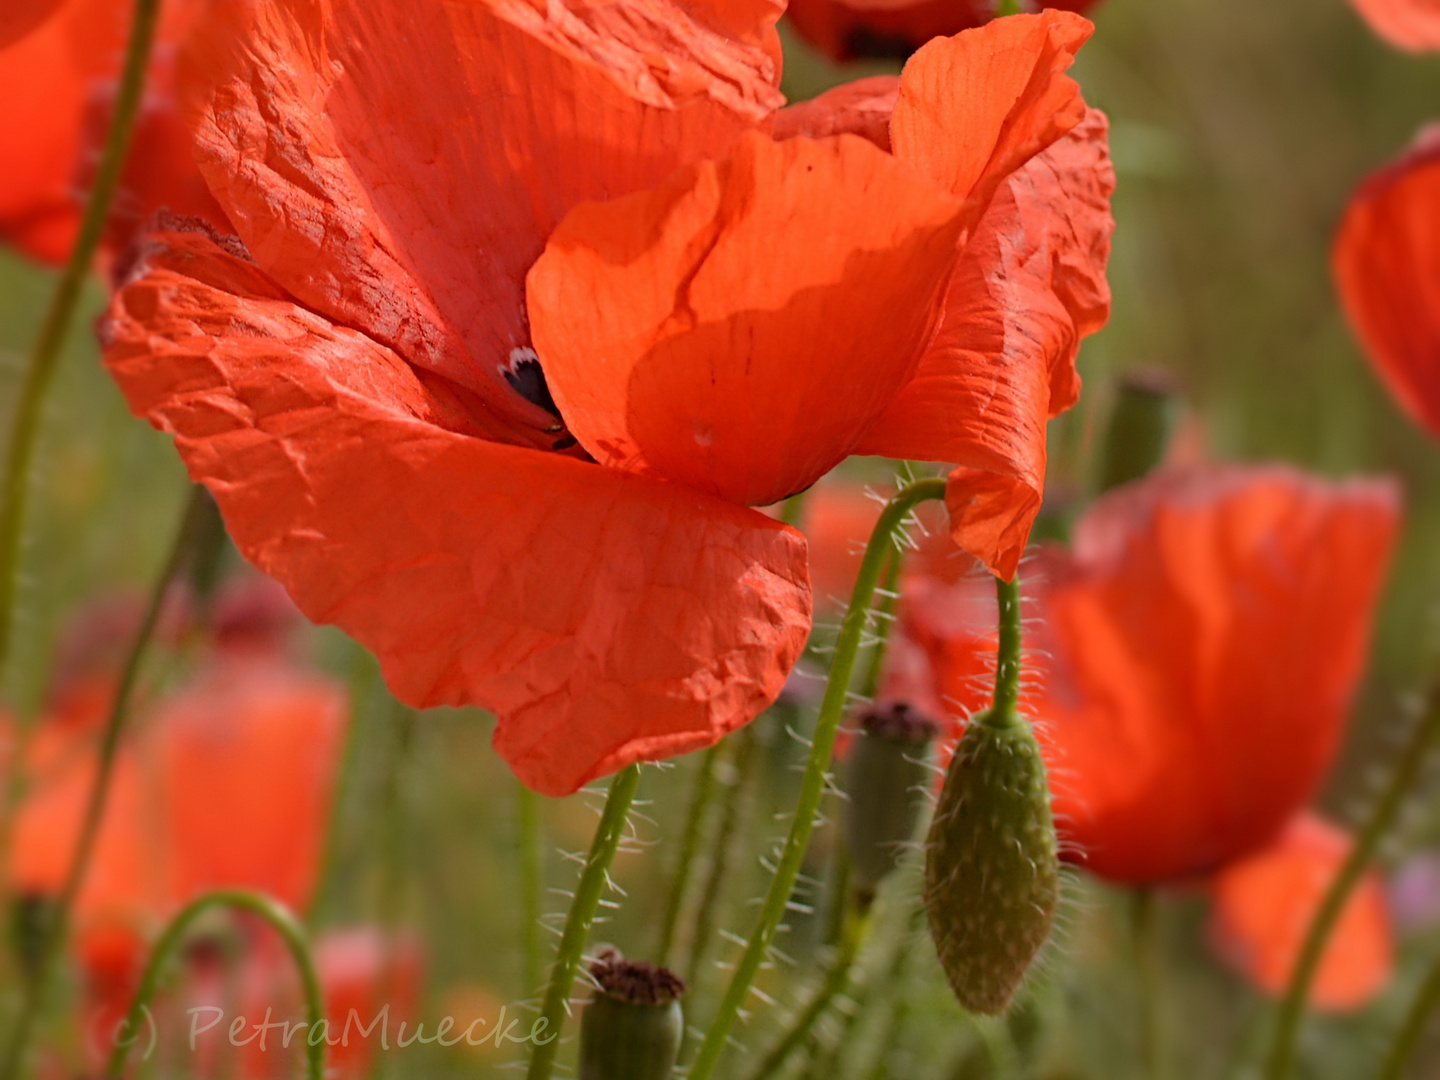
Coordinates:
632	1026
885	779
1141	423
992	871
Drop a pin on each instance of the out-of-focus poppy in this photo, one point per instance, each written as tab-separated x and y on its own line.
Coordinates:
878	29
55	85
362	393
837	519
1386	262
1263	906
1407	24
1198	649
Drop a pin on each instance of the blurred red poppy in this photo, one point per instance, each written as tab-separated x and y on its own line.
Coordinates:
54	87
1387	266
1263	906
1406	24
1194	659
362	393
876	29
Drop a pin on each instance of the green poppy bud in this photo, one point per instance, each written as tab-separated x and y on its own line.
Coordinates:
632	1026
1141	424
886	777
992	870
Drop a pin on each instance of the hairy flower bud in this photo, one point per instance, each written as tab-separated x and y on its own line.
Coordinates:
632	1026
886	776
992	872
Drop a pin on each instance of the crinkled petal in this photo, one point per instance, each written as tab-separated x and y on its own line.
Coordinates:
1264	905
606	618
416	225
1030	284
738	328
862	107
1407	24
1387	267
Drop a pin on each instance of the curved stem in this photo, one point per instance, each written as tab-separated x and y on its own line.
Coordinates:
272	912
885	612
190	528
1009	653
1292	1007
1412	1031
689	848
15	492
593	881
531	882
812	788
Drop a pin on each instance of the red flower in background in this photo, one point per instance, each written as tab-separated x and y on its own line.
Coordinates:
1263	906
355	377
854	29
1406	24
1205	636
1387	267
56	85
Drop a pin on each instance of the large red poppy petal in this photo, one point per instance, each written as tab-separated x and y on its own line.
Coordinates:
606	618
397	164
975	107
1264	905
1406	24
738	328
1030	285
1387	267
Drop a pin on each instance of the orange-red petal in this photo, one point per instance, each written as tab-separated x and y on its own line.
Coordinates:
738	328
1406	24
1387	267
396	165
1030	284
1264	905
19	17
862	107
606	618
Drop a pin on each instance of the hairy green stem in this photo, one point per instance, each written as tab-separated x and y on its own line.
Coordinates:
55	931
45	357
689	847
1412	1031
732	815
272	912
1009	653
812	788
593	881
1382	816
884	618
527	813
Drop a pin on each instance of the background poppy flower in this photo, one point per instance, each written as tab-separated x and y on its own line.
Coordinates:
1386	262
1406	24
1263	905
361	392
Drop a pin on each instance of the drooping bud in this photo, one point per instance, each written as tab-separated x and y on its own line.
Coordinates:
632	1026
886	777
992	871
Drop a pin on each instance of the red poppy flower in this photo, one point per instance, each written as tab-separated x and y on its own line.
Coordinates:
1264	905
855	29
1406	24
355	377
55	85
1205	636
1387	266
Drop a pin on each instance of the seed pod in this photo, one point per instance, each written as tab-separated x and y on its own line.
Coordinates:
886	776
632	1026
992	872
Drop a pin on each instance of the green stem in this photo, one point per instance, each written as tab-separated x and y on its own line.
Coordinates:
884	618
689	848
812	788
39	373
242	900
1412	1031
1144	931
732	815
593	881
1009	653
1392	798
1007	7
527	808
191	526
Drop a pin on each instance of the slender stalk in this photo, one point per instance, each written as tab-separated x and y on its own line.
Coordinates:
55	931
812	788
885	612
1009	653
732	815
1144	930
1387	808
689	848
1007	7
256	904
1412	1031
45	357
593	881
527	812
